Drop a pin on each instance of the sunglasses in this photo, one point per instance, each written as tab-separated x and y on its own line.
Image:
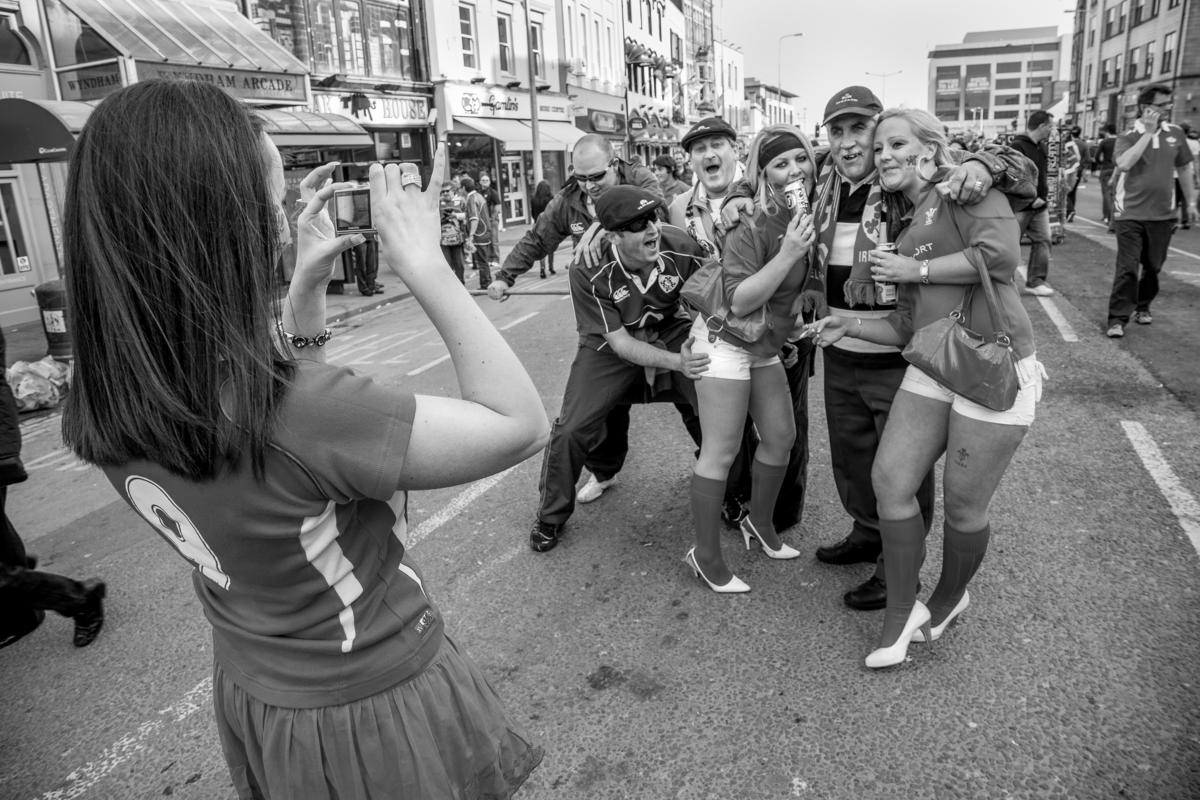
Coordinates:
635	226
596	178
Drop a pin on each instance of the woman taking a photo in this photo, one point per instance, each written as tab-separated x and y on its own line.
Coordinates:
283	480
764	260
936	261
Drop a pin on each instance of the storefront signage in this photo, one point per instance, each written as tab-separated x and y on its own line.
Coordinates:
978	84
606	122
637	124
91	83
393	110
272	87
948	86
503	104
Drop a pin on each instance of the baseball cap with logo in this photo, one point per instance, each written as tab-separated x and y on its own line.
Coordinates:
709	126
622	204
852	100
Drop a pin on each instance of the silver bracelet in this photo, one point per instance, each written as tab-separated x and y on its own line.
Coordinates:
300	342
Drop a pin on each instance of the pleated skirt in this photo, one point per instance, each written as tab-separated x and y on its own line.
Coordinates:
442	735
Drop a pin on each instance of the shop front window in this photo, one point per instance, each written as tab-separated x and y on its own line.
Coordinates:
13	258
13	49
390	40
73	40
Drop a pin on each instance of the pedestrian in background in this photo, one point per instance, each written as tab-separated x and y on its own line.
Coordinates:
453	215
1148	158
664	171
481	244
937	257
1105	164
26	593
283	480
492	196
1071	168
1034	219
542	196
764	262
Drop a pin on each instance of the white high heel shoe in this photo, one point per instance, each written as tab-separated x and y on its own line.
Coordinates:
890	656
784	551
937	630
734	586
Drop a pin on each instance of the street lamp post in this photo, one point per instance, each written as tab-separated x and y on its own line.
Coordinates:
535	138
779	70
883	76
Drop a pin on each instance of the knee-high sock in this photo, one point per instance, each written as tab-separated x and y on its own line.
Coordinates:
765	481
707	495
961	555
903	545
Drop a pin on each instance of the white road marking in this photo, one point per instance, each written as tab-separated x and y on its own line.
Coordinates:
80	781
371	356
55	455
1175	250
342	355
518	321
455	506
430	365
1182	503
1051	308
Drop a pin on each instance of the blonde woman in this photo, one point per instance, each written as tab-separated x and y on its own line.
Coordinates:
765	261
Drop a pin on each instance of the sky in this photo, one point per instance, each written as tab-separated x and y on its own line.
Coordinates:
845	39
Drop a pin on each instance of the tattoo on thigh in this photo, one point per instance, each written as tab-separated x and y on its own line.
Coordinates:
960	457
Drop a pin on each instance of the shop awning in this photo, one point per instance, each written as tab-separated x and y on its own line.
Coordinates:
563	133
309	129
514	134
45	130
206	40
39	130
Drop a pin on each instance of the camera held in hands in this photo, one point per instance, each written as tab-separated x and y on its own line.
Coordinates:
352	211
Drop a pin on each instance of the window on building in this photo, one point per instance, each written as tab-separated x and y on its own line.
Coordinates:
1106	73
535	47
504	42
390	40
1117	59
351	34
73	40
1148	67
1172	3
629	9
1006	113
1008	83
1168	59
583	36
676	48
1087	82
1138	13
13	47
323	27
649	16
1008	99
1009	66
660	23
1135	59
1110	22
1091	38
1045	65
1122	16
466	35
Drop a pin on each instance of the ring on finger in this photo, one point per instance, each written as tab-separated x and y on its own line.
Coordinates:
978	185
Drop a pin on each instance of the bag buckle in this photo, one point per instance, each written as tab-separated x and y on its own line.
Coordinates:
1003	340
714	326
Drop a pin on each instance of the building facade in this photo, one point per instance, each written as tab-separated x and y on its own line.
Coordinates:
768	105
988	83
729	65
700	81
1121	46
654	51
592	39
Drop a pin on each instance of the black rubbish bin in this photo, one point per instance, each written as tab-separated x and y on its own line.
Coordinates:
52	304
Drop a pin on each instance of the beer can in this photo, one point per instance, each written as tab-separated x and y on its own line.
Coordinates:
796	198
885	291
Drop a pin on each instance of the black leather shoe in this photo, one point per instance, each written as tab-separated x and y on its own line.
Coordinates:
848	552
89	621
544	536
871	595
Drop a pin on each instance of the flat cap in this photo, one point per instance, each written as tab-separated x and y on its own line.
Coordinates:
620	205
852	100
709	126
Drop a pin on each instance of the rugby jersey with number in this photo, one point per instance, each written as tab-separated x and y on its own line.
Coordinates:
304	575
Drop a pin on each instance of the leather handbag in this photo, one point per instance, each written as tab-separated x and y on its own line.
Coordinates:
981	368
705	292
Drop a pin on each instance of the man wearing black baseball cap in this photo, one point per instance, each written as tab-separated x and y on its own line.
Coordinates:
633	342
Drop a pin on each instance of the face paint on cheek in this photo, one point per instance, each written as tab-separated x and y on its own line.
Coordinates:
910	161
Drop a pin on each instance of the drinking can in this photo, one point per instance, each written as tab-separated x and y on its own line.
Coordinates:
796	198
885	291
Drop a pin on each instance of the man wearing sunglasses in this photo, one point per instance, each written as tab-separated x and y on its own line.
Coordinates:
633	342
1147	159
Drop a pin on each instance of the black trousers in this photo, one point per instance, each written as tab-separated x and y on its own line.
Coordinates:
592	427
364	258
857	401
485	258
25	594
454	257
1141	251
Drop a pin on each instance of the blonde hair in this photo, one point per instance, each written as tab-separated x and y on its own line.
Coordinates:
755	176
928	130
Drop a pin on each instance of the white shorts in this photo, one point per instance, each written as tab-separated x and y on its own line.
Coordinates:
1030	374
726	360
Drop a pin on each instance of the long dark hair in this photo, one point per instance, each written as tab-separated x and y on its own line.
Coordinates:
169	241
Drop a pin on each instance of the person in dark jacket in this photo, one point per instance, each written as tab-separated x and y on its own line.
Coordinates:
26	593
542	196
1035	220
1105	164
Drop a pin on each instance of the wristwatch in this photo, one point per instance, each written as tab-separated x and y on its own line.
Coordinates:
925	272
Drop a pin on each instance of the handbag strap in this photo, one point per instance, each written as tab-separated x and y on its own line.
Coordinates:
995	312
